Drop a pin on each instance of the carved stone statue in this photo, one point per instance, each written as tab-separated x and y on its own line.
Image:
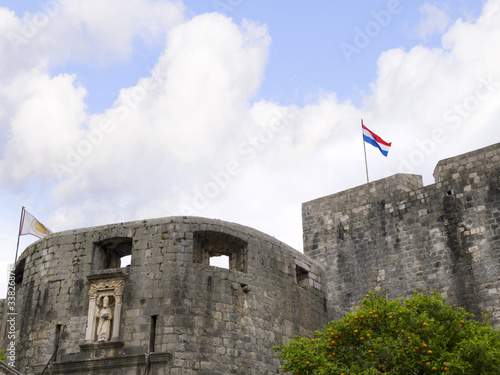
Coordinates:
105	316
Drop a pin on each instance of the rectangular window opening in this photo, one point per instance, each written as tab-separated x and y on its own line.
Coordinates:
221	250
56	341
112	253
302	277
19	273
152	333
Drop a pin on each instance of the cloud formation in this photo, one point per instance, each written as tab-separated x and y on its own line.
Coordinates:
174	127
62	30
433	21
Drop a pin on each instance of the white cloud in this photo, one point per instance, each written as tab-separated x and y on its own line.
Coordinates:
433	21
92	30
103	30
45	115
42	117
443	94
184	123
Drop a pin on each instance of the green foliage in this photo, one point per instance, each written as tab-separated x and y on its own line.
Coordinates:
2	356
420	335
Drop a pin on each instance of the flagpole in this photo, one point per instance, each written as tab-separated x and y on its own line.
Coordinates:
364	147
19	233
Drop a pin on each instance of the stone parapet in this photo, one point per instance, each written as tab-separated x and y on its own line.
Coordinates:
478	161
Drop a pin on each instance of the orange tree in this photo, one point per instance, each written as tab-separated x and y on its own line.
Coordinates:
419	335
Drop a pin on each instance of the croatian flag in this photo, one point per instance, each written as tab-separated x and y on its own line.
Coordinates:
373	139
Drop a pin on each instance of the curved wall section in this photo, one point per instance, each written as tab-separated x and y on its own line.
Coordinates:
169	311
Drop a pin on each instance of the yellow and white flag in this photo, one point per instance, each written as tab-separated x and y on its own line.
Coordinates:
30	225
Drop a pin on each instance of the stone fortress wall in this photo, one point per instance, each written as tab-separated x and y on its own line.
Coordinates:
170	312
191	317
397	235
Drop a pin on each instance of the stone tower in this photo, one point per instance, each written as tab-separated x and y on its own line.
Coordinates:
169	312
398	235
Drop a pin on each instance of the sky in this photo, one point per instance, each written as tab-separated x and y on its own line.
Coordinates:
231	109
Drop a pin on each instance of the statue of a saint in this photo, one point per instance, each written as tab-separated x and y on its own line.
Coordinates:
105	316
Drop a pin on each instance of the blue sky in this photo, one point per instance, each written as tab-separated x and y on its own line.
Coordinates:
113	112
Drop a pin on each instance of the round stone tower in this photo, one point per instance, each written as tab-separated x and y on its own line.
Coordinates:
169	311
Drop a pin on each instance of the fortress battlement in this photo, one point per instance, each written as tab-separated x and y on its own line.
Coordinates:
398	235
171	312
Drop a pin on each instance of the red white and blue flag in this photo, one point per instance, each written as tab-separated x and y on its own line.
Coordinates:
373	139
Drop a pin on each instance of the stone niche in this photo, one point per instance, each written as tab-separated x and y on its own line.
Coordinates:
104	314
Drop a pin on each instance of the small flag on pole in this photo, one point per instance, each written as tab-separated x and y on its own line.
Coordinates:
30	225
373	139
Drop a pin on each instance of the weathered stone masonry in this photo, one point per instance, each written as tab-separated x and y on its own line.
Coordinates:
194	318
397	235
170	312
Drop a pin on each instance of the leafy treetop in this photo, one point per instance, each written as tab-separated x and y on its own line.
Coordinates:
416	336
